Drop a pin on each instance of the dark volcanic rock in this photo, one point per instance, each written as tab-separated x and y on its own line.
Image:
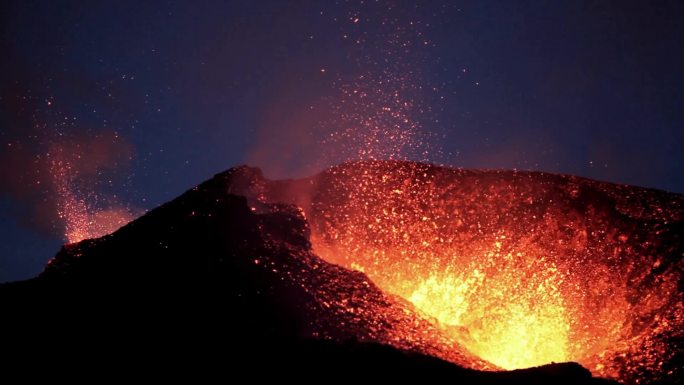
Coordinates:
219	283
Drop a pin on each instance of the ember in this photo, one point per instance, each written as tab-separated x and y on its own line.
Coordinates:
83	212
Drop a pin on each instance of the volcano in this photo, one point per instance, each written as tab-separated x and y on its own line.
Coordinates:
385	269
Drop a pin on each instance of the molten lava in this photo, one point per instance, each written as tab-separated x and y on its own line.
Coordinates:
506	308
521	269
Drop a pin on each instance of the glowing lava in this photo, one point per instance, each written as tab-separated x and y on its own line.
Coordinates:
530	330
521	269
488	301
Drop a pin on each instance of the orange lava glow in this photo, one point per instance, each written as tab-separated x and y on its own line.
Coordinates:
513	316
521	269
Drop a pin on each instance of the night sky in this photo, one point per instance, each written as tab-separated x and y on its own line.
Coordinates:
108	109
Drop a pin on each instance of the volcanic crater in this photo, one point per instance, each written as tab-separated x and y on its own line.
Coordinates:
400	267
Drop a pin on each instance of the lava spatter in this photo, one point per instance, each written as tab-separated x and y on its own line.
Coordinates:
84	212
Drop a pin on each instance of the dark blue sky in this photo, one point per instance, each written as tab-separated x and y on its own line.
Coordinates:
150	98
